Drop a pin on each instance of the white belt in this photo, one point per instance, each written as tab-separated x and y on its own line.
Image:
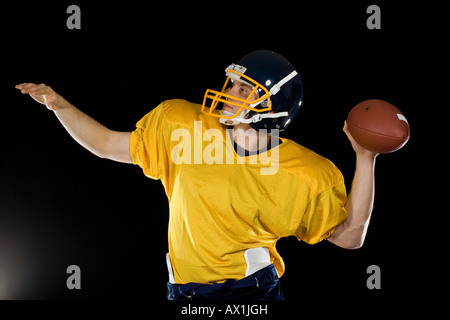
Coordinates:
256	259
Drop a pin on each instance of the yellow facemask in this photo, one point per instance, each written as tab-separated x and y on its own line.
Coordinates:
236	73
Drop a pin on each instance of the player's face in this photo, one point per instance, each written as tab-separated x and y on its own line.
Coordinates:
239	90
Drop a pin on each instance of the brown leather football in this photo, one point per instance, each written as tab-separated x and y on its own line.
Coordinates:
378	126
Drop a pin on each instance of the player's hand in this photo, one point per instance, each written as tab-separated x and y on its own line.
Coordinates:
360	151
42	94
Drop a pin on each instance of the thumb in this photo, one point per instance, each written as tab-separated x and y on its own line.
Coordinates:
349	135
50	103
345	129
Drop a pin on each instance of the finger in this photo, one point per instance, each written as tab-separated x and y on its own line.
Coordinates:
38	91
348	133
43	91
24	85
345	128
37	87
32	88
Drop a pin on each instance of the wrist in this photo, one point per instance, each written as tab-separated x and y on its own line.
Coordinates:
366	155
60	103
366	159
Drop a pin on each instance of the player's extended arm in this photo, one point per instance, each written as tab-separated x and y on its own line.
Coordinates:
92	135
352	232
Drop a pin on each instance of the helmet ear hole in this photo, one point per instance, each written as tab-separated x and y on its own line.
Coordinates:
264	104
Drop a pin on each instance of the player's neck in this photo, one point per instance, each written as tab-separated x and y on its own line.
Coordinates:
250	139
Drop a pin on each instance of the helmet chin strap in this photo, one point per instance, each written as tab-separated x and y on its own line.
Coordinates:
256	118
234	121
259	116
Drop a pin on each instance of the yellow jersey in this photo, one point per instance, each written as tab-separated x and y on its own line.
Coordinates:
221	203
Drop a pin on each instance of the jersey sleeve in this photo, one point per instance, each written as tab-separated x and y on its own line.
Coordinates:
323	214
147	144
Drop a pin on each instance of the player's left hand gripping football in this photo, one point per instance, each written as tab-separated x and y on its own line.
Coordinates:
359	150
41	93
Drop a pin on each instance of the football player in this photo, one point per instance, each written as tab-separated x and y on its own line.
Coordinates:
226	213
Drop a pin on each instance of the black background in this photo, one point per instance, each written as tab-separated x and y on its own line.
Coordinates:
61	205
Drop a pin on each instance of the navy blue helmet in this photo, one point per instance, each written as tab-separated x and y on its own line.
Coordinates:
278	88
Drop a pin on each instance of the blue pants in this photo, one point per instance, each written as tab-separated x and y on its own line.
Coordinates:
262	285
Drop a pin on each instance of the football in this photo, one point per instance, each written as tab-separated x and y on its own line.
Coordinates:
378	126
